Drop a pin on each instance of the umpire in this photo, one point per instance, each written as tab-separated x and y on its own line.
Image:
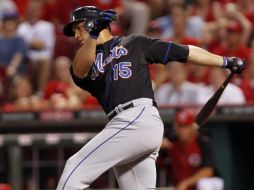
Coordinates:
115	71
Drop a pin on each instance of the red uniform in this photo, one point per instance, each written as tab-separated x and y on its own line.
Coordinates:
189	158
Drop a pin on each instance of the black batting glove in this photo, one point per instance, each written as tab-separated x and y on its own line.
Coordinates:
94	27
236	65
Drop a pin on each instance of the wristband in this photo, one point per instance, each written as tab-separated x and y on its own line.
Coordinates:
225	62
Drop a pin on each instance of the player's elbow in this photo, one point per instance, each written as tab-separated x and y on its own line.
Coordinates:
81	65
79	70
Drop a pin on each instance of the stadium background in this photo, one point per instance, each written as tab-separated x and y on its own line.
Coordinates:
36	141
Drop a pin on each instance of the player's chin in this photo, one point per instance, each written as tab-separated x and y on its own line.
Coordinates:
82	42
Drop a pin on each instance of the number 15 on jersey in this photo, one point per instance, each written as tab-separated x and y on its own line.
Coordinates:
122	70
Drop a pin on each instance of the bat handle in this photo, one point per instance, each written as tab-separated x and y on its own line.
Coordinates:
227	80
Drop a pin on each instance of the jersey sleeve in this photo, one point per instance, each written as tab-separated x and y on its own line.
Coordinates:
158	51
206	152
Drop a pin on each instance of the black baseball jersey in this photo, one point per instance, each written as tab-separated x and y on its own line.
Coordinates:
120	71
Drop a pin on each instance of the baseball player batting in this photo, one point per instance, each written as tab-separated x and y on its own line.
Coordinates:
115	71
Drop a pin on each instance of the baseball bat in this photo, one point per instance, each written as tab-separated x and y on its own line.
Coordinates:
209	106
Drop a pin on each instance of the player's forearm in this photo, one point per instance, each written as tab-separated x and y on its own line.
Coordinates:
84	58
202	173
199	56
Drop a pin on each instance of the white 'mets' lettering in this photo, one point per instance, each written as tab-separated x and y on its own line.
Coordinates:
99	64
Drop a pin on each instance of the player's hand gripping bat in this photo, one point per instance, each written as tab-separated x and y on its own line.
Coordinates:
209	106
236	65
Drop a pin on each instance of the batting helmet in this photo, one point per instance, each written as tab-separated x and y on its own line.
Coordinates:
81	14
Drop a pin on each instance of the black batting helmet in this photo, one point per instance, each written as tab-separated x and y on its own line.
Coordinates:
81	14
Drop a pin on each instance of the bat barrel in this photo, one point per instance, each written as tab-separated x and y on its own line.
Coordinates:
209	106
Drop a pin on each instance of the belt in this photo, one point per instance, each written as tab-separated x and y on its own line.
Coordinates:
121	107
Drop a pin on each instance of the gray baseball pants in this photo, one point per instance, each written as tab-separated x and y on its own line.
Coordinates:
129	144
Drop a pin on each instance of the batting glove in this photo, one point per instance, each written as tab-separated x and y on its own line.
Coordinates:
236	65
94	27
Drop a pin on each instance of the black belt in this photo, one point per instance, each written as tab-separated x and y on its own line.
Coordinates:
131	105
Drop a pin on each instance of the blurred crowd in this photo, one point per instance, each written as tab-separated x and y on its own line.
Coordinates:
35	56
